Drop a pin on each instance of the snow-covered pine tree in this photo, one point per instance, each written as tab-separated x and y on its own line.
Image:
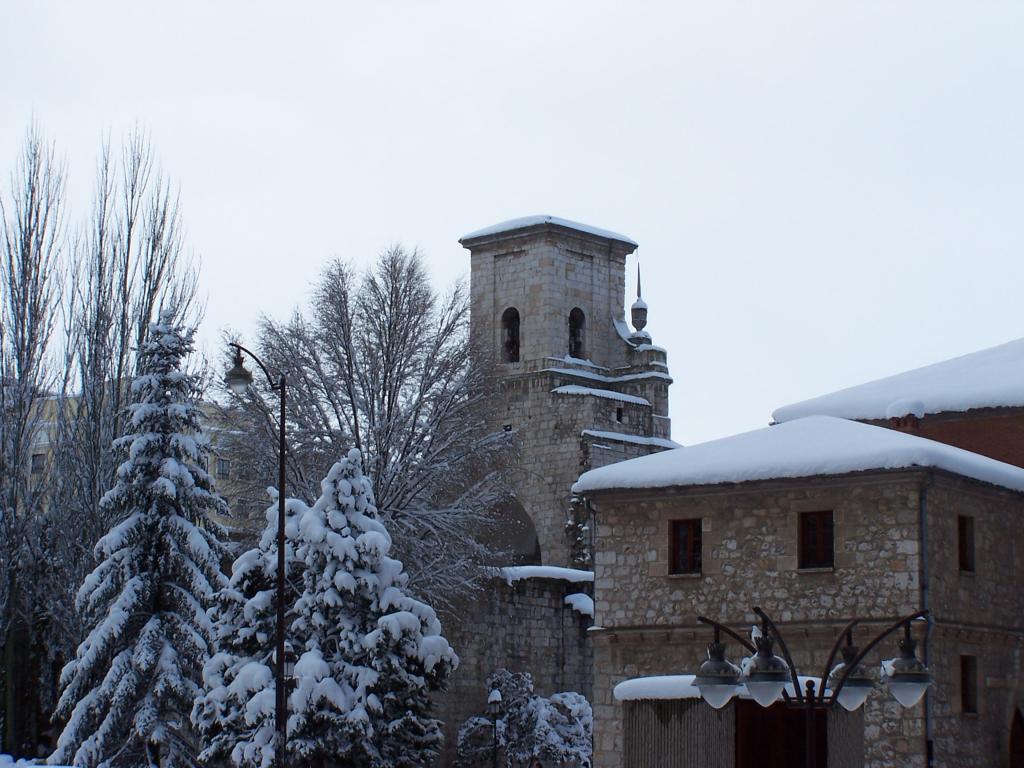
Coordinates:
128	692
371	654
236	714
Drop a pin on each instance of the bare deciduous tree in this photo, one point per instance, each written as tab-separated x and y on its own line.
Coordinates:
128	264
382	362
32	238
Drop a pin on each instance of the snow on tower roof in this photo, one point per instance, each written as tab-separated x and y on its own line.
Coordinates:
989	378
815	445
532	221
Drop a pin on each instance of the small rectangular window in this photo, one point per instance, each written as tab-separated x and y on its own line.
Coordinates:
816	548
618	414
223	468
38	463
684	546
965	541
969	684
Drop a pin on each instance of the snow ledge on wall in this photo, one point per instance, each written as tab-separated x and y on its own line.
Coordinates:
515	573
576	389
660	442
581	603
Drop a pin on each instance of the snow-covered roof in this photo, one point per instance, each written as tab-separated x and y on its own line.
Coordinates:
532	221
682	687
989	378
518	572
815	445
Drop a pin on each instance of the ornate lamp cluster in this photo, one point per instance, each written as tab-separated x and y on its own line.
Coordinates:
766	675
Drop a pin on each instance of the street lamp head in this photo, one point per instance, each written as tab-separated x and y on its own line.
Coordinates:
765	674
494	703
239	377
289	661
858	682
906	677
717	680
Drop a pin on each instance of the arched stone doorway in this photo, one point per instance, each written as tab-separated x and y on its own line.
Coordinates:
515	537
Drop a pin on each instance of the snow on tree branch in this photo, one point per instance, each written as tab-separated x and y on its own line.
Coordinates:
382	362
128	691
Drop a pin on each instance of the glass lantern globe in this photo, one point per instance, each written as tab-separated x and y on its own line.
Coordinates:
858	683
717	680
905	676
765	674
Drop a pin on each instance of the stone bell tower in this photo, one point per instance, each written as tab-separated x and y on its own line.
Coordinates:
580	388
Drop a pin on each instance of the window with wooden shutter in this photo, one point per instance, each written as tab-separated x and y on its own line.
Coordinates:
684	546
816	540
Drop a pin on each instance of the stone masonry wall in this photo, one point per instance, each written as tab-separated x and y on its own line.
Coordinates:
980	614
553	450
749	558
544	275
525	627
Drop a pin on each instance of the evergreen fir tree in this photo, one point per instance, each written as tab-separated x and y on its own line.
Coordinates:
236	714
128	692
371	653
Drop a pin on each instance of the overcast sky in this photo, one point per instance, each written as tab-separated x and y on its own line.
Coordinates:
823	193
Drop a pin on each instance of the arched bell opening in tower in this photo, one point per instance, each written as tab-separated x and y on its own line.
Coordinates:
510	335
577	323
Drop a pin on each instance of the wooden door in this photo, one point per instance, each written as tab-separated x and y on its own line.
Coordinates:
1017	741
774	737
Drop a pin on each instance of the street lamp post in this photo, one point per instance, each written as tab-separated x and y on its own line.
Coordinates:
238	380
765	675
494	710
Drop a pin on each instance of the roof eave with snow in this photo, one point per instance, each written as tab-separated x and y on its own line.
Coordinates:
986	379
527	225
816	446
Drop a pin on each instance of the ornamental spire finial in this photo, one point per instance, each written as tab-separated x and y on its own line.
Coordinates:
638	312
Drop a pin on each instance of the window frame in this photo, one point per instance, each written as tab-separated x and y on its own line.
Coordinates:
968	684
824	552
690	563
222	468
965	544
37	468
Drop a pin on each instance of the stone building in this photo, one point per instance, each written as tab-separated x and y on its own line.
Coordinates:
579	388
817	520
